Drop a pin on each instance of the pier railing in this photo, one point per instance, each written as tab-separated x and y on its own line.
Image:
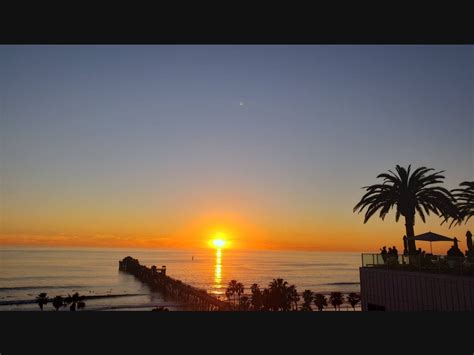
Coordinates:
157	280
425	263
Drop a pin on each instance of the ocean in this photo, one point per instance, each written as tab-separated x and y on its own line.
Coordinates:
26	272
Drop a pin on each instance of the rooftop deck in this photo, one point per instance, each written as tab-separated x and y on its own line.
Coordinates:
463	266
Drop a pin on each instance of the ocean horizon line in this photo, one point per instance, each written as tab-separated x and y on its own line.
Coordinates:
138	248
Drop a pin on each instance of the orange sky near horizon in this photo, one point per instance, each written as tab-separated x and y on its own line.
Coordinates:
352	235
252	217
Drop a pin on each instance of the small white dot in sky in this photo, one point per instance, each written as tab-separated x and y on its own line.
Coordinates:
241	103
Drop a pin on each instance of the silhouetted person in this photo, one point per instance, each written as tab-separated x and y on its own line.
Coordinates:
470	248
405	245
395	251
456	243
454	251
383	252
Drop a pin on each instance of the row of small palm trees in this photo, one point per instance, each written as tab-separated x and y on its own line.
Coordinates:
280	296
336	299
417	193
75	301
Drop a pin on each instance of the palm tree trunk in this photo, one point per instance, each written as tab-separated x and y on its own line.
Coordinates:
410	232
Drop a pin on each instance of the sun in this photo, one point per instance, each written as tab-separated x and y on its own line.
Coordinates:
218	243
219	240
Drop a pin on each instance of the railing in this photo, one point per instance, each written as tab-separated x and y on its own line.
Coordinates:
425	263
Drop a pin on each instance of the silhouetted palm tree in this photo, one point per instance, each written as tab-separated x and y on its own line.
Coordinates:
280	295
234	288
308	299
74	301
353	298
256	297
465	201
229	293
293	297
244	303
58	302
320	301
278	284
409	194
336	300
42	300
268	301
239	290
160	309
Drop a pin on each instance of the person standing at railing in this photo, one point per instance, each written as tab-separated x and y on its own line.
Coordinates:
405	245
383	252
470	249
454	251
395	255
395	251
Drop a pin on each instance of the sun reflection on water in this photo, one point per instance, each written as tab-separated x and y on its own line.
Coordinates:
218	269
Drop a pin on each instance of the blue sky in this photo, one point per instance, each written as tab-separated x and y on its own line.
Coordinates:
161	128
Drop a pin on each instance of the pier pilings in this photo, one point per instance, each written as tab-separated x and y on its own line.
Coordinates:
157	280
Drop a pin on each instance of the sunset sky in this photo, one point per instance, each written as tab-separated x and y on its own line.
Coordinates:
164	146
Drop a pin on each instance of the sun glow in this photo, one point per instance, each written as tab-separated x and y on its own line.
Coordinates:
219	240
218	243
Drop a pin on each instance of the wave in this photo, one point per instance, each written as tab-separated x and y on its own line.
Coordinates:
136	306
39	288
94	297
50	277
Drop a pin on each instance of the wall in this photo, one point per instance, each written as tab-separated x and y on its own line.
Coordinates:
415	291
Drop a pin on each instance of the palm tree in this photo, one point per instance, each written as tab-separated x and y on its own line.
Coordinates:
308	299
293	296
74	301
409	194
256	297
58	302
278	285
228	293
239	289
160	309
336	300
465	201
42	300
279	295
244	303
268	301
320	301
234	288
353	298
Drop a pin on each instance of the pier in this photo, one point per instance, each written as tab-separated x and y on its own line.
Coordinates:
157	280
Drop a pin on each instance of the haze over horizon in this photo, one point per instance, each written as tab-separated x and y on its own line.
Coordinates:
163	146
